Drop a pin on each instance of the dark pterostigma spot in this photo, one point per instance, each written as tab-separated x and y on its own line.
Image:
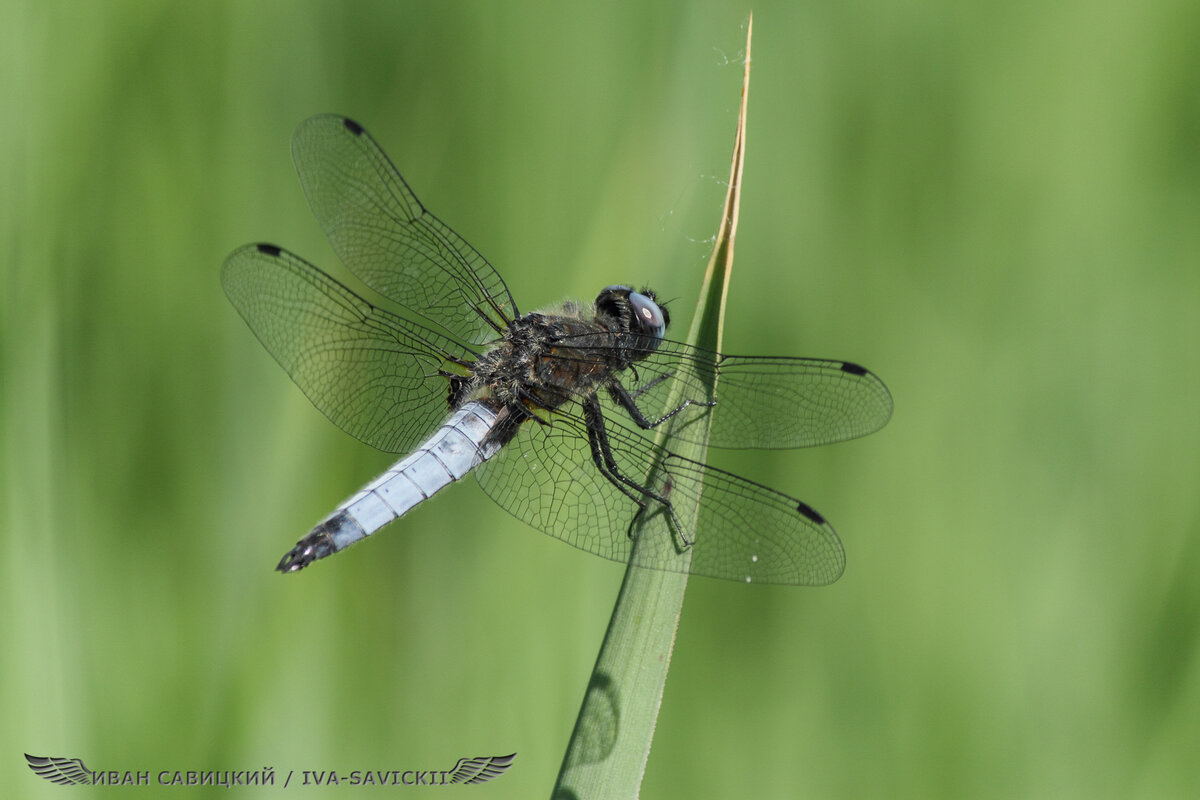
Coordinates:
810	512
270	250
352	126
853	369
63	771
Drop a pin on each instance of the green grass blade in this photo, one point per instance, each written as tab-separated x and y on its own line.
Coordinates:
609	748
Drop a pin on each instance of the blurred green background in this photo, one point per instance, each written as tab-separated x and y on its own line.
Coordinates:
996	207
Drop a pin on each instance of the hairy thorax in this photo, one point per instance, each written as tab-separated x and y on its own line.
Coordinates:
543	361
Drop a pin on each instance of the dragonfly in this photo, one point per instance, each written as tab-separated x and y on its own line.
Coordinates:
553	411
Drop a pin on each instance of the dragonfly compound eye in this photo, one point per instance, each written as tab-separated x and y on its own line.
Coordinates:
649	315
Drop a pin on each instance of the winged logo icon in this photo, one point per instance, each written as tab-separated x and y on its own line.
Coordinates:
480	769
63	771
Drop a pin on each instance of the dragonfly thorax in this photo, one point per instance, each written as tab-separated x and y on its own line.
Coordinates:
546	359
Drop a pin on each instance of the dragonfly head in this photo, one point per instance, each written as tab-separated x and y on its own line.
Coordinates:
623	310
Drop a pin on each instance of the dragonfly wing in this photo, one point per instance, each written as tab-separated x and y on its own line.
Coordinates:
383	234
372	373
743	531
761	402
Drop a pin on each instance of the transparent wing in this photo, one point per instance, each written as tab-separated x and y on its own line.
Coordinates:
375	375
383	234
762	402
745	532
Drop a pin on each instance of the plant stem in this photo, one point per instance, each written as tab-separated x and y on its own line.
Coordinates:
609	748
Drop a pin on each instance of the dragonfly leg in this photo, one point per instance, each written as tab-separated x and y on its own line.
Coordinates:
645	387
628	402
603	457
685	541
